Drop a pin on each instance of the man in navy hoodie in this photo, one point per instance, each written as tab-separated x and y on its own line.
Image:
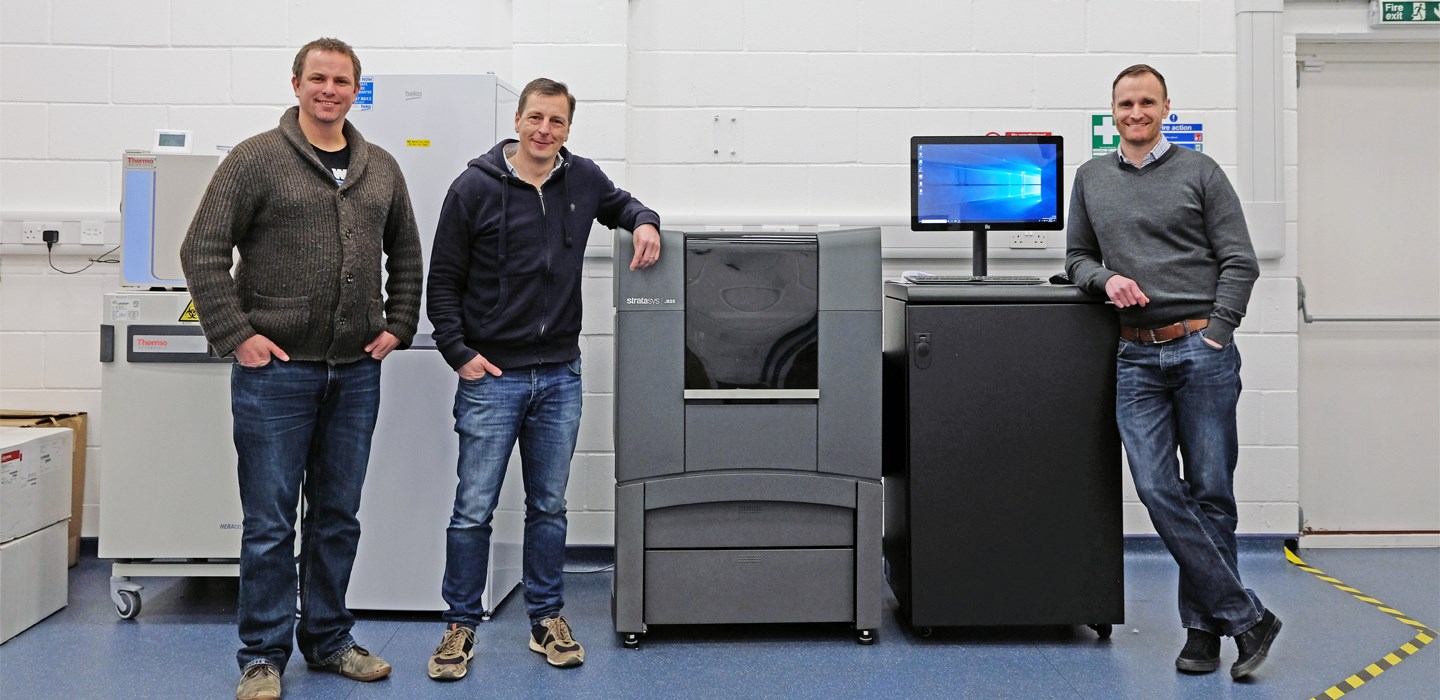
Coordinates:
504	296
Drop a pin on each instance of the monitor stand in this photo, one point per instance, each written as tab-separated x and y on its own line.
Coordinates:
978	262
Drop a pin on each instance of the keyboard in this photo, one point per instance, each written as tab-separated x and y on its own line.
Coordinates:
973	279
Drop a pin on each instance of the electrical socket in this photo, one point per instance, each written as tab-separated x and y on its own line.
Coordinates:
32	231
92	233
1027	239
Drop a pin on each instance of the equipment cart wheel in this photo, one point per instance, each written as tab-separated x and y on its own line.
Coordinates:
925	631
865	637
1102	630
126	596
631	641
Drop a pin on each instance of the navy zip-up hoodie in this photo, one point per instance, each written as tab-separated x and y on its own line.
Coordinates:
506	263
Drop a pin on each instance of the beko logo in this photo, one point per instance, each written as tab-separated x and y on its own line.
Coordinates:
413	94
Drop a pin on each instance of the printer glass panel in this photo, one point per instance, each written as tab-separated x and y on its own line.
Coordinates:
751	311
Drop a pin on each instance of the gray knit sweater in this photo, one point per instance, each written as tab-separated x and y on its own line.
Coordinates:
1175	227
310	252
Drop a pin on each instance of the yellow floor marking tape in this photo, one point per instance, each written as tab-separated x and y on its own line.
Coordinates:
1423	636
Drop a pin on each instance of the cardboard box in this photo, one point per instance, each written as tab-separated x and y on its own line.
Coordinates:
34	479
33	579
76	421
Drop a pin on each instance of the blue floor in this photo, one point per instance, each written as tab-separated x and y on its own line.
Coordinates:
183	642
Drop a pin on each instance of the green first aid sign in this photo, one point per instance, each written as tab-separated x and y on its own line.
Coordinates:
1104	137
1386	14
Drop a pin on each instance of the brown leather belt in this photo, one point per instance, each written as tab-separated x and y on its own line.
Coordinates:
1163	334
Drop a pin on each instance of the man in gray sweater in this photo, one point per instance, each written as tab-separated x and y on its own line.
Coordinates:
313	209
1159	230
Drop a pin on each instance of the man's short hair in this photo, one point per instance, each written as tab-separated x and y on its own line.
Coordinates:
1141	69
545	86
325	43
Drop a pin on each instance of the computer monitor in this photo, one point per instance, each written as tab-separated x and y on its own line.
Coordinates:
986	183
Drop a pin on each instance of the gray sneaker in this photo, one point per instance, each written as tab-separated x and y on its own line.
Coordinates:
452	658
552	637
259	682
357	664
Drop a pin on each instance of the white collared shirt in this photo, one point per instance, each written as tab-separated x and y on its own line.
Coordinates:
1154	154
559	161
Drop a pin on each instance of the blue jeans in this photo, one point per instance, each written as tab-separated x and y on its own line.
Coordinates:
301	428
540	407
1181	395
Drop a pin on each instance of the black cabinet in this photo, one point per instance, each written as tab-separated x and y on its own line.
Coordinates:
1001	456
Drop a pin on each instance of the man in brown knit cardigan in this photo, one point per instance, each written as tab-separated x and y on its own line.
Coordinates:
313	210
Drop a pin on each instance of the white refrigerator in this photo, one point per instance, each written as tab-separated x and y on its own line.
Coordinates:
433	125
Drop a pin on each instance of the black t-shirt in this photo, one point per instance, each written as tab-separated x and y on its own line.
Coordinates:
338	162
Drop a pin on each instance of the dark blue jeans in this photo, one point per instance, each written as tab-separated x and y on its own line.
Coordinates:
539	407
1181	396
300	428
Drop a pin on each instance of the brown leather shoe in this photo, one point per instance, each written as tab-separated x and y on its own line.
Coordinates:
259	682
357	664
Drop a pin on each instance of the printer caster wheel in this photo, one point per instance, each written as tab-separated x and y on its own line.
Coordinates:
631	641
925	631
126	597
1102	630
865	637
129	606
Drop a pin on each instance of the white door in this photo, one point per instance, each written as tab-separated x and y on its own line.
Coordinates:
1369	246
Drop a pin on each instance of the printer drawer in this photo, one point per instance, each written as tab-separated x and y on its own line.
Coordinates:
716	586
744	524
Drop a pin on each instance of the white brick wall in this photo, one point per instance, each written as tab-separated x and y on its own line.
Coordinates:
55	185
25	22
172	76
801	25
477	24
593	73
98	132
1145	26
598	133
1030	26
824	95
257	76
570	22
889	26
206	23
132	23
68	75
665	25
22	359
976	80
25	130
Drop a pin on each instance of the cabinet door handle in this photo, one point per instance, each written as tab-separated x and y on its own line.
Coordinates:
922	351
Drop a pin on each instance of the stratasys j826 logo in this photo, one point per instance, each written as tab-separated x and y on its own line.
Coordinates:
648	301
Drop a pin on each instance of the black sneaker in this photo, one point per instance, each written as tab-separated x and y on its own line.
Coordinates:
1201	653
552	637
1254	645
452	658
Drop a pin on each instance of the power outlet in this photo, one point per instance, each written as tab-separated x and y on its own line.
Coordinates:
32	231
92	233
1027	239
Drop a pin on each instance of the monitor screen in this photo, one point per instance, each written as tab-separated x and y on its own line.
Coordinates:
986	183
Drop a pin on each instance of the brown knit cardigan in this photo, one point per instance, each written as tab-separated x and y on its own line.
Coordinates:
309	274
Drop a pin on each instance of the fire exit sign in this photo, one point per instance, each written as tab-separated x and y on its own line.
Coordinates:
1390	14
